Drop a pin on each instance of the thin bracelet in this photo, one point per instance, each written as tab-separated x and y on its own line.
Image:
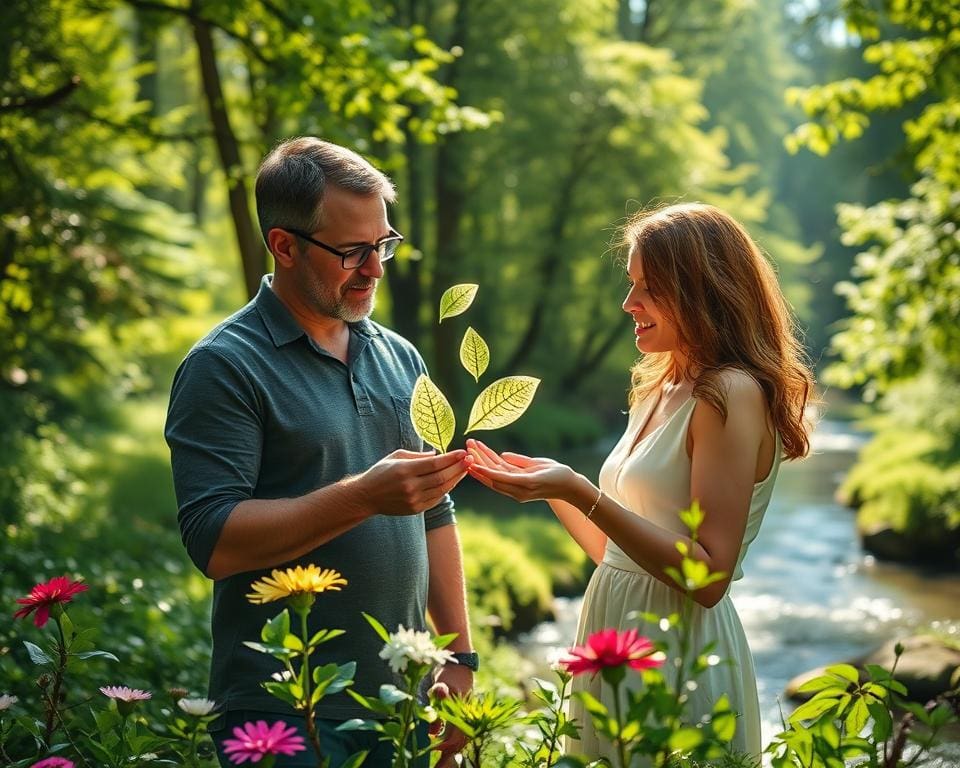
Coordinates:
594	507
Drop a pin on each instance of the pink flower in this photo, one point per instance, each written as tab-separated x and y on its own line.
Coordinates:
53	762
122	693
609	648
44	596
256	740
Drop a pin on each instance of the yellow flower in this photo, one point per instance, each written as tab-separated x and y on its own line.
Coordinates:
295	581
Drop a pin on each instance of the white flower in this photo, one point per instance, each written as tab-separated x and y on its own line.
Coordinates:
410	645
7	701
282	677
197	707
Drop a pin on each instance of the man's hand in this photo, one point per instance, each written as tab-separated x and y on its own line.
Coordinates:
407	483
452	679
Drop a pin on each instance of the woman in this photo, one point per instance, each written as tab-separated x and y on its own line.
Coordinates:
717	400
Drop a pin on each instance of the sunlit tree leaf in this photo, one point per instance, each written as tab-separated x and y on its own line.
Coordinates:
457	299
474	353
502	403
431	414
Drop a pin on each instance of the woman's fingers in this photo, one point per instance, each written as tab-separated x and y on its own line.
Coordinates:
490	457
518	459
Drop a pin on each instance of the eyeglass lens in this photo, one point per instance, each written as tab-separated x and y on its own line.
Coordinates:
358	256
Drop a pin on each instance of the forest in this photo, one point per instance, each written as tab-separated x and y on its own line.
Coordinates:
520	136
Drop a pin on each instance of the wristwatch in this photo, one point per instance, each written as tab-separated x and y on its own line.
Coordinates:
470	660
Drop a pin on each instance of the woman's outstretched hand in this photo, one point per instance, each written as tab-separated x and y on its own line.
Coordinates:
521	477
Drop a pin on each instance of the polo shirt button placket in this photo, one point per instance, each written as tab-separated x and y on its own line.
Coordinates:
360	397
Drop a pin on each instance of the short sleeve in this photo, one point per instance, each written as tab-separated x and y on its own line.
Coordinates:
214	431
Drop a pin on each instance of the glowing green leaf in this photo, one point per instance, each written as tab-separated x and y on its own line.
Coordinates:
457	299
431	414
474	353
502	403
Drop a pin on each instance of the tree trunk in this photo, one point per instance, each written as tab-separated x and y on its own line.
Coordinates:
252	252
406	291
404	280
551	257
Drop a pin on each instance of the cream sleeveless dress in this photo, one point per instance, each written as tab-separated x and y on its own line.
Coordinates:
653	481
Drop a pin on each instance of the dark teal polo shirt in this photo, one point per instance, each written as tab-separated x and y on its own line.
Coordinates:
260	411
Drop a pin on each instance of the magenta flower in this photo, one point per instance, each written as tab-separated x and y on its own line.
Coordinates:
44	596
53	762
609	648
256	740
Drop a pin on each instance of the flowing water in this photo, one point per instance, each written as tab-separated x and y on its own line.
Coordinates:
810	596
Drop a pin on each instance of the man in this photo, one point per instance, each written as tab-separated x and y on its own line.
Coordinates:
291	443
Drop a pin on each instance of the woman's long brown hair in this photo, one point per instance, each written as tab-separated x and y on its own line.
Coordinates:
715	286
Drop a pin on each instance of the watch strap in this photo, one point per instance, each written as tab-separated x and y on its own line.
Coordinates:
470	660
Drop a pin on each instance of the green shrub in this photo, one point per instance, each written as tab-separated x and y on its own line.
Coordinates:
508	590
903	482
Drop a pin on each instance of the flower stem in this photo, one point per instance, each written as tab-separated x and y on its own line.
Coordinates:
308	713
621	747
554	737
53	700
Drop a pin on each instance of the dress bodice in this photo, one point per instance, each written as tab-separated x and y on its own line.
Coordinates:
651	478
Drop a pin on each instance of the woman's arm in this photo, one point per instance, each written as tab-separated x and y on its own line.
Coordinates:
723	468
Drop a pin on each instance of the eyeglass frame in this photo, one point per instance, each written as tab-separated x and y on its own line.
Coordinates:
344	255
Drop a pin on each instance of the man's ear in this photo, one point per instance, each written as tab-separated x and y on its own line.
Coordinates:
283	246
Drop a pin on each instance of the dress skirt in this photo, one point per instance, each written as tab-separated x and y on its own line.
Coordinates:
617	590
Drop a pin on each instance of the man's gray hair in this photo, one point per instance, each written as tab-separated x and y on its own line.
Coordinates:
293	178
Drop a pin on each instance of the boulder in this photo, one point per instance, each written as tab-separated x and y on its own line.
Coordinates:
928	667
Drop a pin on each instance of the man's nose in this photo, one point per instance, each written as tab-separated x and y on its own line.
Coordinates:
372	267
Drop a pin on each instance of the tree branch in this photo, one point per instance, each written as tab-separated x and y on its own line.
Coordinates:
31	103
194	16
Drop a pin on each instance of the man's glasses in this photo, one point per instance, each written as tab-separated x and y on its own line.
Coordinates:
386	248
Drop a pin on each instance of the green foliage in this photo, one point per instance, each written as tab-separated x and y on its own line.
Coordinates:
505	587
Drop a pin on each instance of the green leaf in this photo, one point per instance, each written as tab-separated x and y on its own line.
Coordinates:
882	722
685	739
819	683
37	654
812	709
356	724
276	629
377	627
857	717
457	299
474	353
391	695
431	414
502	403
845	671
356	759
442	641
325	635
83	655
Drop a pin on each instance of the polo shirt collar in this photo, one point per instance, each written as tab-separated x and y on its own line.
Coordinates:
280	323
